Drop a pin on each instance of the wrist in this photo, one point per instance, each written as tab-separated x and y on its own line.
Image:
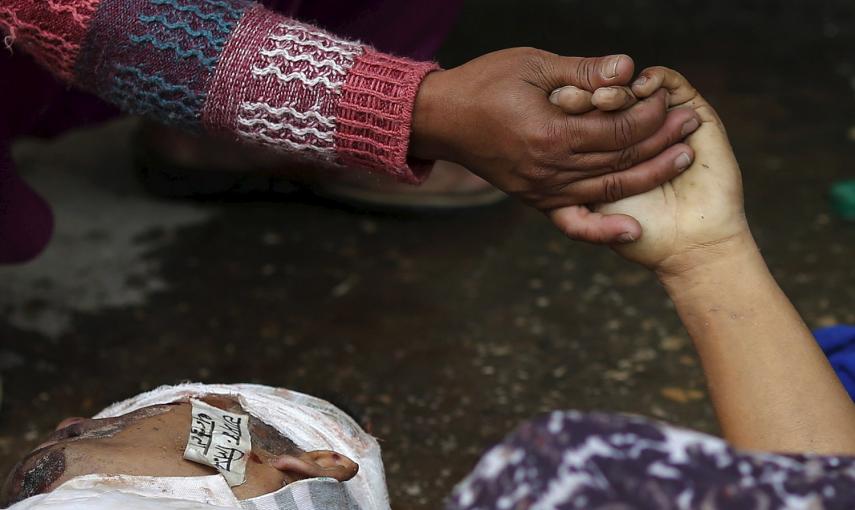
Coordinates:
711	263
429	136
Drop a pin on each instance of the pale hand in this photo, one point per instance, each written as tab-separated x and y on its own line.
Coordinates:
692	218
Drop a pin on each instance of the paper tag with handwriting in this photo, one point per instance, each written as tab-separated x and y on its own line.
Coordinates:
219	439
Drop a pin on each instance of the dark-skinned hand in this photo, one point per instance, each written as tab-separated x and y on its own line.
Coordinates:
494	116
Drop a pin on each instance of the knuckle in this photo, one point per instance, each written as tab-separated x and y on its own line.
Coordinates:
576	233
627	158
656	112
546	143
612	188
539	174
568	134
586	233
585	74
536	65
671	137
624	131
549	135
676	76
528	51
539	141
585	165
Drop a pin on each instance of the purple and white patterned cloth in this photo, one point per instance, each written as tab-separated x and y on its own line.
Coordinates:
573	460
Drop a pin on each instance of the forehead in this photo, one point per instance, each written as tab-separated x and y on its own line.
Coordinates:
36	472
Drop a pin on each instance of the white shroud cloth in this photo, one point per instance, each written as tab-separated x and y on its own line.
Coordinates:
311	423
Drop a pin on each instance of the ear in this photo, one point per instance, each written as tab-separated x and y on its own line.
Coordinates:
316	464
69	422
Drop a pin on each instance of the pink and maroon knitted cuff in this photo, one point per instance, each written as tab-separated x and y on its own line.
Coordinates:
375	114
295	88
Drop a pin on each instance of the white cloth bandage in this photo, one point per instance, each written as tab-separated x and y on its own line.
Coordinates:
102	492
310	423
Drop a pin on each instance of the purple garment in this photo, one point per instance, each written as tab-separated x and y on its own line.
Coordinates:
572	460
26	221
33	103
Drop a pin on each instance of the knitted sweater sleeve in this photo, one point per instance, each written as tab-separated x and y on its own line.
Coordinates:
231	66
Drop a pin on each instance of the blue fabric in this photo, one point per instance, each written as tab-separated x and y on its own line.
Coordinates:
838	343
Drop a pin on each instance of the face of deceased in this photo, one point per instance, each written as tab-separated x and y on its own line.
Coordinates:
151	442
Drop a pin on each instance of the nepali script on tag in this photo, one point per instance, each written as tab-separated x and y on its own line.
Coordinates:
219	439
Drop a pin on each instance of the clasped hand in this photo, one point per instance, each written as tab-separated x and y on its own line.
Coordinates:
494	116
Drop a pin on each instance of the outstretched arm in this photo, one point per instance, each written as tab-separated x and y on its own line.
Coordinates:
771	385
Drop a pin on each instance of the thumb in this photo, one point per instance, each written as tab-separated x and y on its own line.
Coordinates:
581	224
590	73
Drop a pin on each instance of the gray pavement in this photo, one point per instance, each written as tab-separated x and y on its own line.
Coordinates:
443	332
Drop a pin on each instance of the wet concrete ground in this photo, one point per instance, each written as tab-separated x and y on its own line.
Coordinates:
442	333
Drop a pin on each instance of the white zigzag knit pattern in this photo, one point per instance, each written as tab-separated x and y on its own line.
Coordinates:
307	68
287	110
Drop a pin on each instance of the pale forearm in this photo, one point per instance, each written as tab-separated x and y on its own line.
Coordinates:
771	385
